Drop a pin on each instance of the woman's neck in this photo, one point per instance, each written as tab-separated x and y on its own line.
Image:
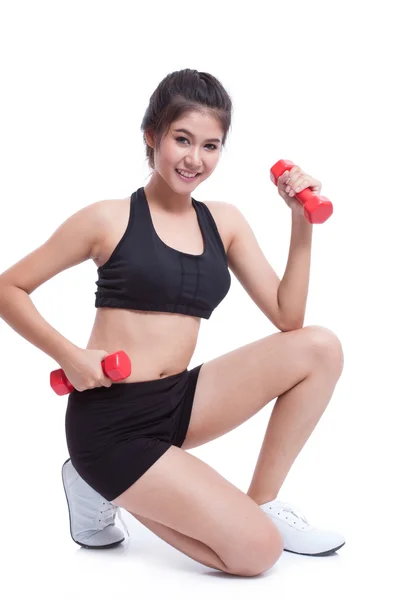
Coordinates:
160	195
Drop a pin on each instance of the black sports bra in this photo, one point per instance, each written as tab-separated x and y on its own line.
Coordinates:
143	273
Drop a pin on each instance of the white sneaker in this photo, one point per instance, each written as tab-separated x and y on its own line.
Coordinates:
298	535
91	517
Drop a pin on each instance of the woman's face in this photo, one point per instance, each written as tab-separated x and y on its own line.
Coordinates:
195	151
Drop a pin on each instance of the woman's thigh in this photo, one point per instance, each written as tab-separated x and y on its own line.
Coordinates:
233	387
185	494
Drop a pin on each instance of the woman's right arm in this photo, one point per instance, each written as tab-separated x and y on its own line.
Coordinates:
76	240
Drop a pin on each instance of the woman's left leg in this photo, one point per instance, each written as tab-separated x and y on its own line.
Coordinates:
300	367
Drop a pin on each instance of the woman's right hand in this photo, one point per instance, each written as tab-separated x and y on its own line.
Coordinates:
84	370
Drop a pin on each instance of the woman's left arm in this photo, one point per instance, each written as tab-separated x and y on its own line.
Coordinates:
293	288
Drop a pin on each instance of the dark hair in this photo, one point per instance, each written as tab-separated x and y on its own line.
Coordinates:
183	91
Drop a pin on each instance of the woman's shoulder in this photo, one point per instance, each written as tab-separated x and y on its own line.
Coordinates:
112	219
106	208
224	216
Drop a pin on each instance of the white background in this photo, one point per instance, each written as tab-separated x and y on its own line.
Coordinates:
314	82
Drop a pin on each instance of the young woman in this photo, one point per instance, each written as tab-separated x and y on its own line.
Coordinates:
163	263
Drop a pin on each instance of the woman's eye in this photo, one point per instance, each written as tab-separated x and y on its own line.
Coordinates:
179	139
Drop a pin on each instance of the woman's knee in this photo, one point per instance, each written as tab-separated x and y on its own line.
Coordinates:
326	346
260	552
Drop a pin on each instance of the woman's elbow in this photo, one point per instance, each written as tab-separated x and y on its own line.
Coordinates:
291	325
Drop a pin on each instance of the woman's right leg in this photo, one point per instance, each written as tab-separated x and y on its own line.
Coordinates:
192	507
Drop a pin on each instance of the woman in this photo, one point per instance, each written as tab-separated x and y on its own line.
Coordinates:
163	261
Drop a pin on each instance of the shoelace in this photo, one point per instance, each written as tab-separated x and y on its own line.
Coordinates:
285	507
108	516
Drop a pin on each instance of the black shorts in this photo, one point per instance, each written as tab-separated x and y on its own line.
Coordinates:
115	434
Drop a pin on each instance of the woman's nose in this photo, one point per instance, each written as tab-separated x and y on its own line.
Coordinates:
194	156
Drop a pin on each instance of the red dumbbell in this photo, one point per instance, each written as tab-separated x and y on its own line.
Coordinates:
116	366
317	209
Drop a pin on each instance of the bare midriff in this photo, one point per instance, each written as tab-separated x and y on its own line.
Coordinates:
158	344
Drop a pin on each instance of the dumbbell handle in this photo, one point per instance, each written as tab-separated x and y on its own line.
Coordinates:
116	366
317	209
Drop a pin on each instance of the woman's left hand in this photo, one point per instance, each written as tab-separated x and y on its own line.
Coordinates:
294	181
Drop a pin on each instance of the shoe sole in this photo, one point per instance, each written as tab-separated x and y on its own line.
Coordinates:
326	553
70	525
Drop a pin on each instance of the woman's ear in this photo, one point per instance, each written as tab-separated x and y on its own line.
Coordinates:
149	137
